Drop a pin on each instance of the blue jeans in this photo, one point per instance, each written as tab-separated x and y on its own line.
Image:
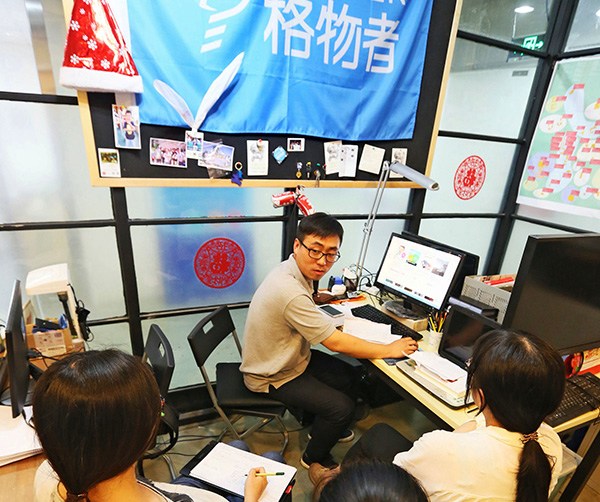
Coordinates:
240	445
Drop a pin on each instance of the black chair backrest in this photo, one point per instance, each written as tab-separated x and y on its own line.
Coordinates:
209	333
159	354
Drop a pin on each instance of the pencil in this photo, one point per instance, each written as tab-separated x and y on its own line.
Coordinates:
263	474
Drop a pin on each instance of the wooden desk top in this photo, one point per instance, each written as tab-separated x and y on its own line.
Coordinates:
16	479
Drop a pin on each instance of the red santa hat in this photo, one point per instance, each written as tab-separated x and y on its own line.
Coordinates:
96	56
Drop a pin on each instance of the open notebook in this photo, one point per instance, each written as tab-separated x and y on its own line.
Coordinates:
226	467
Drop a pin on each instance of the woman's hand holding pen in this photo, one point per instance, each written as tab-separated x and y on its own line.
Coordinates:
255	485
402	348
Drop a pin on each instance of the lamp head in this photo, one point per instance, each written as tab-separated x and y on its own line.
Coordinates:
412	175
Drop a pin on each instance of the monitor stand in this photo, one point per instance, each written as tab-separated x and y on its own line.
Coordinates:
403	309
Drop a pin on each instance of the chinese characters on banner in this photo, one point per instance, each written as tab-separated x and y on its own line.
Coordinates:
325	68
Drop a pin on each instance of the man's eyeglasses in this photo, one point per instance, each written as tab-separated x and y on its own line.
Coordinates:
315	254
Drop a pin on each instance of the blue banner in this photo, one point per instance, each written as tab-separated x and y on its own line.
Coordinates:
325	68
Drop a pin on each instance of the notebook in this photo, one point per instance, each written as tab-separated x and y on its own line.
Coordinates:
226	467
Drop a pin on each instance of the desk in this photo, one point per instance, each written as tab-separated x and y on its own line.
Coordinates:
16	479
448	418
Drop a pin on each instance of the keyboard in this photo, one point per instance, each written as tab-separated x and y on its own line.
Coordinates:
582	394
374	314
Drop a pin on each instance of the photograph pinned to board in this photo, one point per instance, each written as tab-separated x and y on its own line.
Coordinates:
216	156
193	144
110	165
371	159
398	155
167	153
258	157
126	126
348	161
333	156
295	144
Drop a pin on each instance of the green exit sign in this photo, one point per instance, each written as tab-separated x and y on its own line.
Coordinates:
533	42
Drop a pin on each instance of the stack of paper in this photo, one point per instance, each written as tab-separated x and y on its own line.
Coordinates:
439	366
17	439
369	330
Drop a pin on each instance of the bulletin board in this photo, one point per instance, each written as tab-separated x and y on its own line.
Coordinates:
136	170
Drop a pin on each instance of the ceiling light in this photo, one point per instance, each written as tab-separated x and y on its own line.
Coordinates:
524	9
598	12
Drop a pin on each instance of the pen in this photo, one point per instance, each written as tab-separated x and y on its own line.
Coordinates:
263	474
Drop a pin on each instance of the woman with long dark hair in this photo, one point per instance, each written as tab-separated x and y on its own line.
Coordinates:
95	414
516	380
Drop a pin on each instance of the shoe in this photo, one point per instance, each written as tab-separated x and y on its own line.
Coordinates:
327	462
318	473
347	436
361	411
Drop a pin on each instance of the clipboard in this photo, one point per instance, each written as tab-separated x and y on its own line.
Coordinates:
224	467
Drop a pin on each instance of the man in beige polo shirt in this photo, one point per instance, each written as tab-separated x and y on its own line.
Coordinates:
284	322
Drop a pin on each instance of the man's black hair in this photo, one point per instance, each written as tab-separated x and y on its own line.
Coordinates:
321	225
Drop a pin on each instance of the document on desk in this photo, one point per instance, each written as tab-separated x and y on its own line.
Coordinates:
438	365
226	467
368	330
17	439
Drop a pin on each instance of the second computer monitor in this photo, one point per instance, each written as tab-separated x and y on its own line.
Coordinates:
422	273
16	346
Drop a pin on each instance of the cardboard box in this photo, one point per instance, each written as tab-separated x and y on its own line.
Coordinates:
50	343
492	290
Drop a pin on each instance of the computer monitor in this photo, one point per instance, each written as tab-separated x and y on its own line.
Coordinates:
421	273
556	295
16	355
461	330
469	266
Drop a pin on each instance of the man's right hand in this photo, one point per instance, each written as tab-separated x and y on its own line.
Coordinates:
402	348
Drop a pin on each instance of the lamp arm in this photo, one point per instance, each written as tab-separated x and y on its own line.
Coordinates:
370	222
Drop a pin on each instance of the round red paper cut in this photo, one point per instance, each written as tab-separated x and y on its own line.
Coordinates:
469	177
219	263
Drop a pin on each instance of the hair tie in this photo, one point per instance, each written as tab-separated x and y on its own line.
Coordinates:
525	438
72	497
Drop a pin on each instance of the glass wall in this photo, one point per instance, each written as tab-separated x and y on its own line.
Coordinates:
488	90
585	30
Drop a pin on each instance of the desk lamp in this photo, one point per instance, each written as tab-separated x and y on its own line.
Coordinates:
410	174
55	279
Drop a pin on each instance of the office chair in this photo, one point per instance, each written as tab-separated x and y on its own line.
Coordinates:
159	355
231	398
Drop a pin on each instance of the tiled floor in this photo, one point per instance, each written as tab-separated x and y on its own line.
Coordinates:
401	415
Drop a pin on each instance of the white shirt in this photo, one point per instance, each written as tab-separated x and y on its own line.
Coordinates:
480	465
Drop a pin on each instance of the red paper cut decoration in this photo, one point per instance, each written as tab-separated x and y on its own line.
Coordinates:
96	56
219	263
469	177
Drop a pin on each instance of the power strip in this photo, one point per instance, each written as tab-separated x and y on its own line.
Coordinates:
372	290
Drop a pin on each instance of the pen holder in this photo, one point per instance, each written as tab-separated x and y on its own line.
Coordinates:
433	340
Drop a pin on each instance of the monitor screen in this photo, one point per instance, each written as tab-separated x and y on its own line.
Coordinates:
469	266
423	273
461	330
556	295
16	352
